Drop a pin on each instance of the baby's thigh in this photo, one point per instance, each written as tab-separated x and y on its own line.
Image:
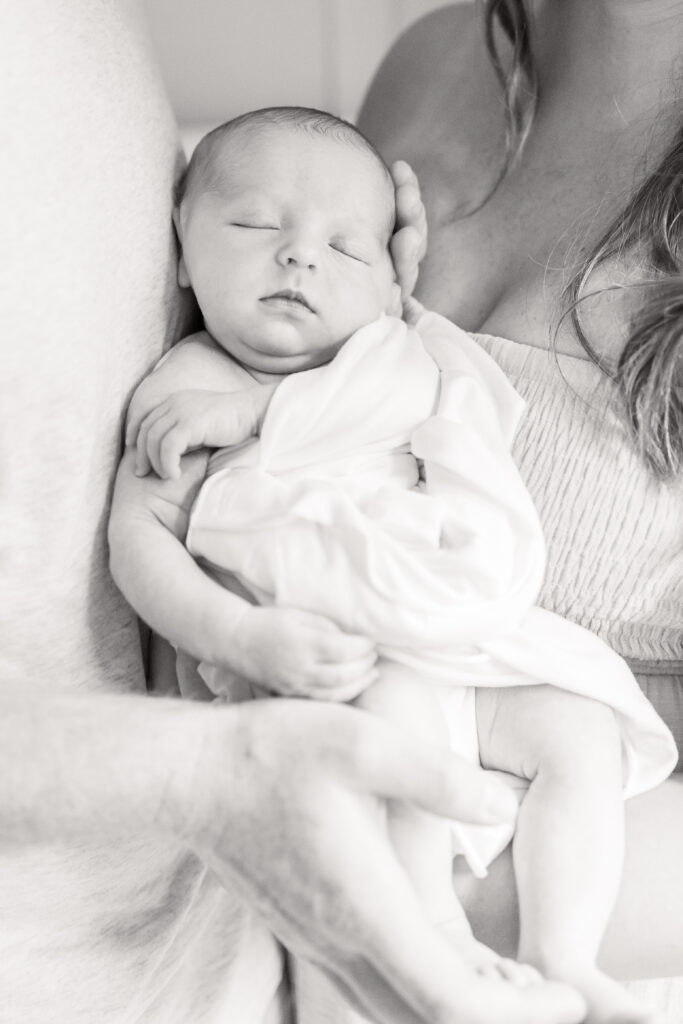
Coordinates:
522	729
407	701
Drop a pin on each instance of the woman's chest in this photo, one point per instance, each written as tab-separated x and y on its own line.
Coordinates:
503	268
613	533
501	264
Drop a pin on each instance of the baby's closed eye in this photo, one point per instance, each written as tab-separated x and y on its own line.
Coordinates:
254	225
350	249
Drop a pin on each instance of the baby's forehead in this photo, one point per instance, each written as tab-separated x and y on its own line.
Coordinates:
244	160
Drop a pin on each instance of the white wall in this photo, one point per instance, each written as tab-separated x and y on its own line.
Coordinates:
222	57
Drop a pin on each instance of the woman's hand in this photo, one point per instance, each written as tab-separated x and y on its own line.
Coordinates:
409	243
284	800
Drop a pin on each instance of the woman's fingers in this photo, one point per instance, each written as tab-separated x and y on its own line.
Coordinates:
409	243
406	263
402	173
410	210
437	781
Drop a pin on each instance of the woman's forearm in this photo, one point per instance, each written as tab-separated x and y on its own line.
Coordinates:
267	793
88	766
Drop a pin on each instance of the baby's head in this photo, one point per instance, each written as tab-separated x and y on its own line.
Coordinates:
284	217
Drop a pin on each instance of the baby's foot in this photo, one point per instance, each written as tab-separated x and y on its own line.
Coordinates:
484	960
608	1002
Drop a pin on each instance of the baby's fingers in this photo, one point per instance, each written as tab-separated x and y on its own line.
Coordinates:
174	444
343	683
137	413
143	463
162	444
335	647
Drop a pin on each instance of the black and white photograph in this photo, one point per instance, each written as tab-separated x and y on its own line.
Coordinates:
341	512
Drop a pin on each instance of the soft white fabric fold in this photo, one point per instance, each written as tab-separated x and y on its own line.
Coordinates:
382	494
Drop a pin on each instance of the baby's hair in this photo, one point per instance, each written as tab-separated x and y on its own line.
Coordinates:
205	167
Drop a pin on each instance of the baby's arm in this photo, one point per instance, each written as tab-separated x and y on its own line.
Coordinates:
197	397
286	651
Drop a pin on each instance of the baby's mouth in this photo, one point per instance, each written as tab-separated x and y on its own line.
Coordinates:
288	297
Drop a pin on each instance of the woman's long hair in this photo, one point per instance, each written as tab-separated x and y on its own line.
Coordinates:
649	370
518	81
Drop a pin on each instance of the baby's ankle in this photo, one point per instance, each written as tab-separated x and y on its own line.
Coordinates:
555	962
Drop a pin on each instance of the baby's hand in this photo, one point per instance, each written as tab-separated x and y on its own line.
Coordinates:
301	654
409	243
188	420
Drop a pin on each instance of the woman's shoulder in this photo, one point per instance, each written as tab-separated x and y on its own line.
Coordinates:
435	49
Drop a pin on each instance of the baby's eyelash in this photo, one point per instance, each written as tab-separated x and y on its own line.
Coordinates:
254	227
345	252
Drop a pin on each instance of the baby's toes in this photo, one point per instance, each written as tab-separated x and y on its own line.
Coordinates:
533	977
521	975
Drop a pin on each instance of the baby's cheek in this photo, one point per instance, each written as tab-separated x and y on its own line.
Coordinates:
368	305
388	290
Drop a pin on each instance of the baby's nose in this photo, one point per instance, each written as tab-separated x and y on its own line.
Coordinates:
300	252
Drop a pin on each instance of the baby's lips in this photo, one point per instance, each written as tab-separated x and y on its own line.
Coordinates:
291	295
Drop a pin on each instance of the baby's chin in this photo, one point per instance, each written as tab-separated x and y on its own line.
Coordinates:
284	363
273	354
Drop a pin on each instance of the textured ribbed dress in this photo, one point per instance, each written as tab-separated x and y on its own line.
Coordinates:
614	534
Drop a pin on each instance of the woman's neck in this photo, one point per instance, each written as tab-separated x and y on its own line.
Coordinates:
626	51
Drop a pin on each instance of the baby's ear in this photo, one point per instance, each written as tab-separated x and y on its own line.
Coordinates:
183	276
395	305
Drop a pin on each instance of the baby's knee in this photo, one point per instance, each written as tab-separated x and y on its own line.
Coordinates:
408	703
582	739
526	729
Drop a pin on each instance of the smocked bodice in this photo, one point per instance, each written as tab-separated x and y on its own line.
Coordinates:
614	533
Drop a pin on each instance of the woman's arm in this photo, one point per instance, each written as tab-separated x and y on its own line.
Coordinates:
267	793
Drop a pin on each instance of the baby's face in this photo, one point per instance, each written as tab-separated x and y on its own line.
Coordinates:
288	252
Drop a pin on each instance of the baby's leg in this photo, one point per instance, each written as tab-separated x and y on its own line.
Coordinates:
568	847
422	841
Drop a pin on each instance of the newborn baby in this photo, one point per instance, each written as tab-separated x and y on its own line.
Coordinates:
374	536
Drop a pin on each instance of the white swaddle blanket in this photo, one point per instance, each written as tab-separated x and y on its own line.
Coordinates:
383	495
